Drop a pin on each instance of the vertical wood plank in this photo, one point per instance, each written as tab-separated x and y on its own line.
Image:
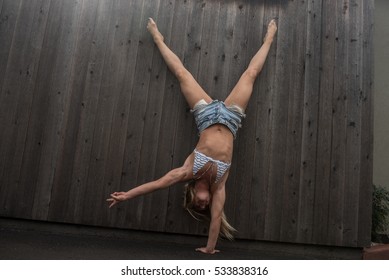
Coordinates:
323	169
209	38
367	101
58	105
102	39
62	200
29	171
112	78
310	123
8	19
353	130
225	33
20	80
139	143
338	161
295	127
130	103
125	143
103	120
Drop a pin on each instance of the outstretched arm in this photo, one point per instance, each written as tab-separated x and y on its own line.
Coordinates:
174	176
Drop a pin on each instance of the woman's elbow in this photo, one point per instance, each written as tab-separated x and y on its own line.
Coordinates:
175	176
180	174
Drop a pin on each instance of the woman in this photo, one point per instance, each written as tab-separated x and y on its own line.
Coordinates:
208	166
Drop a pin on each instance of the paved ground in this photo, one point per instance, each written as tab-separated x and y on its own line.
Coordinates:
26	240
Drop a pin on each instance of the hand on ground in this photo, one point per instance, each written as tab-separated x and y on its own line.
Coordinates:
207	251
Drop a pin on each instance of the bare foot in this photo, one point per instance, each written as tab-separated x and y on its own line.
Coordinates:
153	29
271	31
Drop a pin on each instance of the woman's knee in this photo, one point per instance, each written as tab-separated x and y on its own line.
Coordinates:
182	74
251	73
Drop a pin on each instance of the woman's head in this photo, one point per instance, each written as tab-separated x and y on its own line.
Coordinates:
201	195
197	201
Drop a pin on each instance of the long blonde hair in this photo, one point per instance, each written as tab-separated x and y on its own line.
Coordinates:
226	230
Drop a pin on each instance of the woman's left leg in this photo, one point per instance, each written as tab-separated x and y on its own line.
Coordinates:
241	93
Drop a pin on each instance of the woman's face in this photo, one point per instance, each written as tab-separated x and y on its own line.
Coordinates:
202	195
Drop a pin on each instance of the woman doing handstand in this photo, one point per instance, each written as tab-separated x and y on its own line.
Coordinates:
207	167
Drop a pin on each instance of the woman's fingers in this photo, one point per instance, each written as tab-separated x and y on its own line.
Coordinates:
116	197
113	201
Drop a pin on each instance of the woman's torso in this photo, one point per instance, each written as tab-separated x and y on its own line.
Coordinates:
216	142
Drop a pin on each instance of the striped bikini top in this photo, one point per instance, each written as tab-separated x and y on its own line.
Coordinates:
200	160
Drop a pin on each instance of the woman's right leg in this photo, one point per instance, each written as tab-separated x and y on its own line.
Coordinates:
190	88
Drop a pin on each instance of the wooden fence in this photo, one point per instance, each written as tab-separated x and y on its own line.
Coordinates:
88	107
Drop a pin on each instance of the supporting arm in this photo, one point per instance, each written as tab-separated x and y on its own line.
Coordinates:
217	206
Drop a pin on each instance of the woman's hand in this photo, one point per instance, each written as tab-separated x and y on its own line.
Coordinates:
207	251
117	197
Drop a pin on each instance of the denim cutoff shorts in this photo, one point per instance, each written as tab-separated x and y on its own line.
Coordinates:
216	112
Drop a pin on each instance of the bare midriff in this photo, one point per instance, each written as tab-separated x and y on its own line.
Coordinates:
216	142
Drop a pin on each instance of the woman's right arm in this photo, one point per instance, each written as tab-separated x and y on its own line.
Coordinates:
174	176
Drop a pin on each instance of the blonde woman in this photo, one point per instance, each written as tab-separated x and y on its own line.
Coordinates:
207	167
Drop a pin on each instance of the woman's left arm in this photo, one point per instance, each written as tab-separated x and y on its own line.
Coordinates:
217	206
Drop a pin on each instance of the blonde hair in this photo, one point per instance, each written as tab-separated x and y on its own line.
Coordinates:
226	230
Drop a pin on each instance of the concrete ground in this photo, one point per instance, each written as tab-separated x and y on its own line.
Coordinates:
32	240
